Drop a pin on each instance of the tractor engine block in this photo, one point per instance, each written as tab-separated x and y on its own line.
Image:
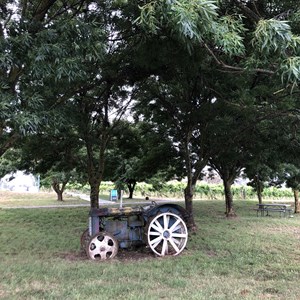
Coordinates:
127	230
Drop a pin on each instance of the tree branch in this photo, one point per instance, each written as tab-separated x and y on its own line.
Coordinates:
42	9
234	68
255	7
247	11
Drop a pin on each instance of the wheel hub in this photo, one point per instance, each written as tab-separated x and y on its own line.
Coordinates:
166	234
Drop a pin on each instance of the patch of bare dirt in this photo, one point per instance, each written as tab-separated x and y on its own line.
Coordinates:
136	254
123	255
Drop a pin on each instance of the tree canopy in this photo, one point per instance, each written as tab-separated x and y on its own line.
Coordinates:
197	74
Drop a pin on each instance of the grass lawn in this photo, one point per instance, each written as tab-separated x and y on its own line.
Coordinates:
247	257
15	199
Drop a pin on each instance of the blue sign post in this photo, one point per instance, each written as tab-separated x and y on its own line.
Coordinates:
113	195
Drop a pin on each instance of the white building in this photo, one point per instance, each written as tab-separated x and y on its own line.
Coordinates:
20	182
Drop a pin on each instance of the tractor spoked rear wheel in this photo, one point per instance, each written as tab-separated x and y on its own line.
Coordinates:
102	246
167	234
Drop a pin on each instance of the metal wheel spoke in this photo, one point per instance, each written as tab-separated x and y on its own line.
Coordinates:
179	235
178	228
165	249
109	249
155	233
103	255
156	241
166	219
176	241
174	226
106	240
158	228
172	242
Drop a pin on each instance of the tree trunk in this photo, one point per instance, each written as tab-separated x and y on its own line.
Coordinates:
188	197
259	195
259	189
228	199
95	171
131	187
60	196
58	190
297	204
94	194
193	172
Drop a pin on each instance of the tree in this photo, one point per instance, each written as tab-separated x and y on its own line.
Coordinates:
101	103
242	45
228	144
90	55
33	43
287	171
265	157
178	102
292	175
57	157
137	153
270	154
58	182
49	49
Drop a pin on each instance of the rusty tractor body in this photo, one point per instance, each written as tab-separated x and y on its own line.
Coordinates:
160	227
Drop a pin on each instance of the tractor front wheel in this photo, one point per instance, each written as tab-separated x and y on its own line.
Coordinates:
102	246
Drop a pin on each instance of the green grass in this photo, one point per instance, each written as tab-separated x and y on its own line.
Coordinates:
247	257
15	199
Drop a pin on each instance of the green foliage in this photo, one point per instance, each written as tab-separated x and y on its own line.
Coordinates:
269	41
9	162
291	69
54	56
52	176
290	174
188	18
272	35
192	17
295	45
71	62
275	36
228	34
147	18
202	190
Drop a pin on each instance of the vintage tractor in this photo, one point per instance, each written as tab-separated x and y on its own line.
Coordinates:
161	227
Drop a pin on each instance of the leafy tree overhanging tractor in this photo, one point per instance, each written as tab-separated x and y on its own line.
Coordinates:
161	227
